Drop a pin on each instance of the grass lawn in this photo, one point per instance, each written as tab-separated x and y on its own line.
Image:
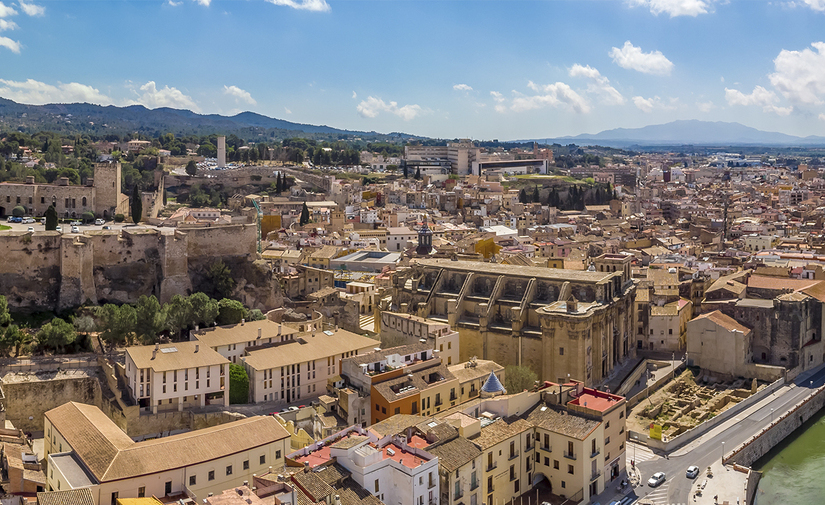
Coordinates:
4	227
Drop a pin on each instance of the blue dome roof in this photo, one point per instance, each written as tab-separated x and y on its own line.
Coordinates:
492	385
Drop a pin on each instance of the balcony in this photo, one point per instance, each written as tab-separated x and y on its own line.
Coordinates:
596	453
458	495
595	475
529	447
492	467
569	455
513	455
431	484
546	448
474	485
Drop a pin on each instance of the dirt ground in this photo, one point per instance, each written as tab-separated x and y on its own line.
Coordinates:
688	400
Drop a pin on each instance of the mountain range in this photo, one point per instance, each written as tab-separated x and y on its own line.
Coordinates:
102	120
690	131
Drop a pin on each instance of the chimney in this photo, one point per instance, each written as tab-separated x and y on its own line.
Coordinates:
246	483
154	353
243	321
259	332
197	347
306	467
279	329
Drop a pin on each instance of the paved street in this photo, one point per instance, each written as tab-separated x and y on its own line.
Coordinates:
707	450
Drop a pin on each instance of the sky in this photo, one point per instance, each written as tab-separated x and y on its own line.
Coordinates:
438	68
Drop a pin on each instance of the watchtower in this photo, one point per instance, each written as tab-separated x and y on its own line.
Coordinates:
107	188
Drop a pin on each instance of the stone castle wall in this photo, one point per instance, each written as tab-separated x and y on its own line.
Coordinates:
50	271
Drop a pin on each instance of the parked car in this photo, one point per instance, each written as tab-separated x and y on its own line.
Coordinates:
10	219
656	479
59	229
31	228
76	223
293	409
16	219
99	222
28	220
75	229
692	472
107	227
42	220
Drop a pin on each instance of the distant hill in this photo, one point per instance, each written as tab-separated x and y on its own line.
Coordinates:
690	132
102	120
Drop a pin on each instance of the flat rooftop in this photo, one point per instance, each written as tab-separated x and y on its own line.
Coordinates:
555	274
67	464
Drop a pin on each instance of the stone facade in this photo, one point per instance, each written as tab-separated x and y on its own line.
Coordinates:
101	196
559	323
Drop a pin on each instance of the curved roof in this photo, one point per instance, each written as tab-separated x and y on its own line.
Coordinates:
492	384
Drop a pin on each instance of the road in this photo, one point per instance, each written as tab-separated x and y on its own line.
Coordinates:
85	227
726	437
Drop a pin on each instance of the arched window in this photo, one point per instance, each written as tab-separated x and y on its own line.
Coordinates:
83	202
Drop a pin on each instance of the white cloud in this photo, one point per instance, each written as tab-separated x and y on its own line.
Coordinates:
822	117
172	3
555	95
372	106
7	25
11	45
154	98
462	87
800	75
6	11
817	5
39	93
354	95
31	9
307	5
653	103
498	97
600	84
287	111
205	3
760	97
239	94
632	57
501	108
675	8
705	106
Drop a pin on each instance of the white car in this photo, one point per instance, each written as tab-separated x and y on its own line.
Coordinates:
59	229
692	472
99	222
76	223
656	479
75	229
31	228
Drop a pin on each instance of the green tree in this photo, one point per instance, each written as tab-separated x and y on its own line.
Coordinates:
56	334
406	172
13	338
255	315
278	183
84	324
117	323
150	319
137	205
230	311
418	173
88	217
518	378
522	196
304	215
5	316
536	195
219	277
179	314
204	309
192	168
18	211
238	384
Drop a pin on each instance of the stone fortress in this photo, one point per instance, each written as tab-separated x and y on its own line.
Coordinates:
559	323
101	195
51	271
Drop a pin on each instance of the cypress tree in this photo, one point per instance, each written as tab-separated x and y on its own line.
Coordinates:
137	205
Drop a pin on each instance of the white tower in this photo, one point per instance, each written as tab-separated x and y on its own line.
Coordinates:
221	152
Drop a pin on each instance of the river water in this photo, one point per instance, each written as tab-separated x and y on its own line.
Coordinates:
793	470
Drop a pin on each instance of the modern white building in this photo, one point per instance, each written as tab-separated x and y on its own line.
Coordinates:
231	341
173	376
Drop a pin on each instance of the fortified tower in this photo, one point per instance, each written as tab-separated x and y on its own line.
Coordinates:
107	189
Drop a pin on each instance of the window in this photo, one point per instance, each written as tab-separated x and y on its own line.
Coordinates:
114	498
512	472
555	464
561	351
277	454
377	407
229	470
376	486
397	410
263	459
167	488
570	469
546	461
192	480
383	410
246	465
142	492
621	415
516	487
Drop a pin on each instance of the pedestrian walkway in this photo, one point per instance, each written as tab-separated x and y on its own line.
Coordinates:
723	486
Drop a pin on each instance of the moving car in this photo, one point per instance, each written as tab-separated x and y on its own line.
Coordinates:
75	229
656	479
692	472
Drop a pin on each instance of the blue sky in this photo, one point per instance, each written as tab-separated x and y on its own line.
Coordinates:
488	69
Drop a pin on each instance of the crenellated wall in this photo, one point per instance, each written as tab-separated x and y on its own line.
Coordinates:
50	271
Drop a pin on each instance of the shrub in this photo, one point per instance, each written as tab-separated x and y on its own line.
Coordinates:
238	384
119	218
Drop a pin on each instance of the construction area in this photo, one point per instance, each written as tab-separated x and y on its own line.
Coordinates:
687	401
